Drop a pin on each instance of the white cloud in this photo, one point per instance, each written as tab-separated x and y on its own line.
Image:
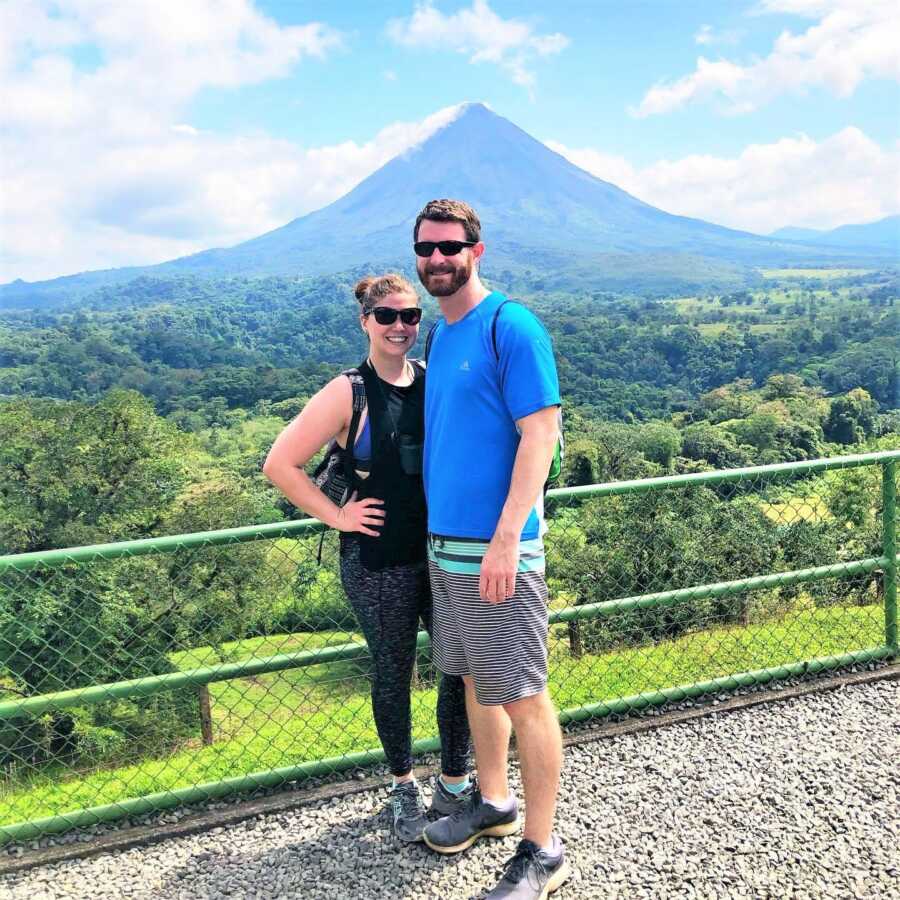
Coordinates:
707	36
152	58
98	166
112	195
479	33
844	179
851	40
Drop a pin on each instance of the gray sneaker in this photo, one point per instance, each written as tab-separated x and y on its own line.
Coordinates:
445	802
476	819
532	873
409	811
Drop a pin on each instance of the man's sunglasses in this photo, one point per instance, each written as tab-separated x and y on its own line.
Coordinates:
387	315
447	248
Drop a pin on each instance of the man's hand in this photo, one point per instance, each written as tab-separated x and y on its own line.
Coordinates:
498	570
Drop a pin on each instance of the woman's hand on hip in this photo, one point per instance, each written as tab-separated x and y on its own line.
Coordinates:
361	515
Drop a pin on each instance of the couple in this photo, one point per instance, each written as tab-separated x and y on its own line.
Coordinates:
487	415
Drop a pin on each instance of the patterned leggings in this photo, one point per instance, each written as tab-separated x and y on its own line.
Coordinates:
388	605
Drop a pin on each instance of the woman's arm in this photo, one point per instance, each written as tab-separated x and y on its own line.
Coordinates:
325	416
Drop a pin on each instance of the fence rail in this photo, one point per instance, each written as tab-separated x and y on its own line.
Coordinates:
114	657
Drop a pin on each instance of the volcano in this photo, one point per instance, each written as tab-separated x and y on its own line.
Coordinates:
537	209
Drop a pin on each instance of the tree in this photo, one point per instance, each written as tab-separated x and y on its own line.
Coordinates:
713	444
779	387
74	473
636	544
659	443
852	418
759	431
730	401
582	463
78	473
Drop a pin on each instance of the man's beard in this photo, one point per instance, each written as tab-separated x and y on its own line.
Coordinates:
459	275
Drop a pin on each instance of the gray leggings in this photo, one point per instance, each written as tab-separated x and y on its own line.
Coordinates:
388	605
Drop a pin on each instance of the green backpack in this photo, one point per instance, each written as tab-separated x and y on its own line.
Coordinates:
560	449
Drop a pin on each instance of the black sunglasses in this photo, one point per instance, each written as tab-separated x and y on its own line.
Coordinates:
447	248
387	315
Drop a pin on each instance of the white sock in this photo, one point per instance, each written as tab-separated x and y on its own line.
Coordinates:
551	849
503	804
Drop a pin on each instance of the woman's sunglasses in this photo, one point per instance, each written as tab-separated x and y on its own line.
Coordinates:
387	315
447	248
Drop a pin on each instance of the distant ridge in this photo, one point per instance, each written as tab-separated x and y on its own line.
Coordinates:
538	211
883	233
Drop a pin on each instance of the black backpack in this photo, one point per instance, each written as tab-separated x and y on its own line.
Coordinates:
335	475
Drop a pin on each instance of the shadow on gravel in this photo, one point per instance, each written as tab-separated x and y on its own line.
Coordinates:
357	858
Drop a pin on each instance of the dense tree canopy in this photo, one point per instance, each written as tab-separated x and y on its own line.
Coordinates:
189	343
148	408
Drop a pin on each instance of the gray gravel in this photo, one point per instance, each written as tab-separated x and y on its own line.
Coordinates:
796	799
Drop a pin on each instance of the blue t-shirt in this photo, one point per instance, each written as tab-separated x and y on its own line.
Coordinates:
472	402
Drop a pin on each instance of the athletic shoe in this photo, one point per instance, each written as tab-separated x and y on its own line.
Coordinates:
476	819
409	811
532	873
445	802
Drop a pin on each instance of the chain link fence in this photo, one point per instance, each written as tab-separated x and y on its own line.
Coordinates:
144	675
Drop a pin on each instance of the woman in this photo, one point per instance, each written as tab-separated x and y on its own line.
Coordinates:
383	529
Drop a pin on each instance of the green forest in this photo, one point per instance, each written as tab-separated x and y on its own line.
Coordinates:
147	410
199	349
201	375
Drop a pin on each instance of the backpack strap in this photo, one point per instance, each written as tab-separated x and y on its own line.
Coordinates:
429	338
431	331
494	338
559	451
360	402
494	328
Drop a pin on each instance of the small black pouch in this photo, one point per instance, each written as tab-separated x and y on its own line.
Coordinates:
410	450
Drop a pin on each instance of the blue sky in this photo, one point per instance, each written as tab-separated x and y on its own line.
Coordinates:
581	95
141	131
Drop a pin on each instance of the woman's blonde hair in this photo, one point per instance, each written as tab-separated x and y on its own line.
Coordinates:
372	288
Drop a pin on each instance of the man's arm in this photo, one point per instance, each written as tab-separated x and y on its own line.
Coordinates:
539	433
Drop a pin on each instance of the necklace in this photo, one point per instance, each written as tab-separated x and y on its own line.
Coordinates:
407	370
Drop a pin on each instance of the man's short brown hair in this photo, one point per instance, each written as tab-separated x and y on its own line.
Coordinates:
450	211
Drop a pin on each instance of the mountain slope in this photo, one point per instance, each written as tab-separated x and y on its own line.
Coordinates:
538	211
530	200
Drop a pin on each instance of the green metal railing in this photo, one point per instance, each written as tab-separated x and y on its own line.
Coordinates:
111	654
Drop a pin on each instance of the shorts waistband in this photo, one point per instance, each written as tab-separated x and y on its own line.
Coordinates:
464	555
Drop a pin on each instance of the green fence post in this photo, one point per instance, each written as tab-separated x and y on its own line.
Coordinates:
889	540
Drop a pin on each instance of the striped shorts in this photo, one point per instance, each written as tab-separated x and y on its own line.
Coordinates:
503	646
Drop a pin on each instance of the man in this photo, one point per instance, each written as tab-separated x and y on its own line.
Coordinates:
491	428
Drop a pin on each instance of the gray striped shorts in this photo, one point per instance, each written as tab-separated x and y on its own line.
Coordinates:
503	646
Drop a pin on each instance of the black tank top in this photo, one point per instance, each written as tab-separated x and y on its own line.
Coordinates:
397	429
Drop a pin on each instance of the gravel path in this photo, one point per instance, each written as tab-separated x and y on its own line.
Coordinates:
796	799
